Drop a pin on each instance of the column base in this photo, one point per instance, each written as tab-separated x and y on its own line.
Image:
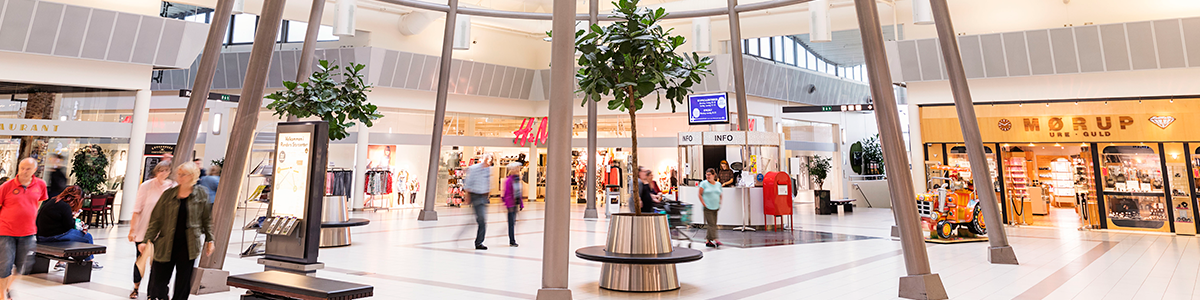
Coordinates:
590	213
553	294
1003	255
928	286
209	281
427	215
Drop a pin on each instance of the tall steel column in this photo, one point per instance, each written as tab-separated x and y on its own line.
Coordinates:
590	211
920	283
557	241
304	67
439	114
204	78
1000	251
242	134
739	75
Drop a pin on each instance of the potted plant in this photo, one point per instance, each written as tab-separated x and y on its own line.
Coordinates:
818	170
338	103
872	156
89	166
634	58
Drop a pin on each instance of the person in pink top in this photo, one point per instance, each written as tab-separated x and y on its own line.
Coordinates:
19	201
512	199
147	196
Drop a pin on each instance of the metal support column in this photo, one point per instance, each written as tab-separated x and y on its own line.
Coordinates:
590	211
1000	251
305	65
739	74
920	283
204	78
439	115
557	241
240	139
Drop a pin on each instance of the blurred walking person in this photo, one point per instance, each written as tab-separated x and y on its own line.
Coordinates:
19	201
179	219
478	186
147	197
513	199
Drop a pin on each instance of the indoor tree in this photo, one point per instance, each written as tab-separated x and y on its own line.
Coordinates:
88	166
631	59
818	169
339	104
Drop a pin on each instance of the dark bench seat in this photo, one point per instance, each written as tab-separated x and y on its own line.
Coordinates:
599	254
275	284
831	207
73	253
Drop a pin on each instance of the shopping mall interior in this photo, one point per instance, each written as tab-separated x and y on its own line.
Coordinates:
421	149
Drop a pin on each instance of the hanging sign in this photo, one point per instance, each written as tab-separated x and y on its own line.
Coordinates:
708	109
690	138
725	138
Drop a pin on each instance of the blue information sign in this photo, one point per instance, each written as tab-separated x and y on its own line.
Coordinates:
708	109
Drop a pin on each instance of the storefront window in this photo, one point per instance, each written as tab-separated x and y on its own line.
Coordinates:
1133	187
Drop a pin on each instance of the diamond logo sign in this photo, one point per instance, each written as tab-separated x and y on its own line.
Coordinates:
1162	121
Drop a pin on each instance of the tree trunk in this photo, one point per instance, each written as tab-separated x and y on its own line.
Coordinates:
633	158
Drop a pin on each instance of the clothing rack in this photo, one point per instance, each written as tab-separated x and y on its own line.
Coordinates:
379	184
338	181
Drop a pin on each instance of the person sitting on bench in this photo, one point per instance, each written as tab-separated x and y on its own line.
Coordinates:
56	221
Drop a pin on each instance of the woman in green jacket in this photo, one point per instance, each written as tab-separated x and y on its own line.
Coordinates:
176	225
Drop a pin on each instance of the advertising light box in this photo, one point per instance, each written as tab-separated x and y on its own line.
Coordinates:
708	109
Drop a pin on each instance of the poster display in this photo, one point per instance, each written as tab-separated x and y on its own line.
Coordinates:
708	109
291	174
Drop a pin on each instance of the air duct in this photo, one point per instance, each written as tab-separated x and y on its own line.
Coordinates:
415	22
819	28
702	34
344	12
462	32
922	13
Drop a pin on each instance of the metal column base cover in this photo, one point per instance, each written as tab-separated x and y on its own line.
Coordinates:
335	237
638	278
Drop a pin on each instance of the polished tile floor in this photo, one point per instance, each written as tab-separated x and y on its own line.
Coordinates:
406	259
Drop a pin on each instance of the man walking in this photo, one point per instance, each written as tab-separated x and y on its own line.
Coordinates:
478	186
19	201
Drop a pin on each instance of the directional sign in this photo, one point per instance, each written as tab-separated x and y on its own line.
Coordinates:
212	96
828	108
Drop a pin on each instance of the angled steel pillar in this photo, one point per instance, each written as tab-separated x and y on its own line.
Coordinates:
590	211
204	79
439	115
739	74
920	283
557	240
1000	251
304	66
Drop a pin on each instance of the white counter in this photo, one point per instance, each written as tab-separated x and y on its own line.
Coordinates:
732	205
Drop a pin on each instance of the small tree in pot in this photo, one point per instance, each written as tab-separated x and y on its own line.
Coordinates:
632	59
88	166
818	169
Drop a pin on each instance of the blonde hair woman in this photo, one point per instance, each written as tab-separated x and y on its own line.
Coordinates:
176	225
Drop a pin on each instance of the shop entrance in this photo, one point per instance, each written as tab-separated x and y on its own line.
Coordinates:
1048	185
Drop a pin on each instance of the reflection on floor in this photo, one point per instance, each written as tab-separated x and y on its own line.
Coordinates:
1065	218
751	239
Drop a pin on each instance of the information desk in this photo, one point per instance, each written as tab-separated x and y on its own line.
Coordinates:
732	205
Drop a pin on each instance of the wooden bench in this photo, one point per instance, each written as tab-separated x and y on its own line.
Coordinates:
73	253
275	285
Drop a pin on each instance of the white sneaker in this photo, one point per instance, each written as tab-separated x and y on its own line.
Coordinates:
60	266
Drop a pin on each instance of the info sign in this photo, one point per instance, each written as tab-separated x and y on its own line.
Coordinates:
708	109
291	174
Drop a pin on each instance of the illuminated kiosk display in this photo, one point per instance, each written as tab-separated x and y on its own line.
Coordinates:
751	153
293	222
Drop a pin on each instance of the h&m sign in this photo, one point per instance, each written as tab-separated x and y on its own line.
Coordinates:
1100	126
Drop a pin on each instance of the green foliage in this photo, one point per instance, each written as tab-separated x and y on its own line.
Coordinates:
322	96
872	156
818	169
88	167
633	58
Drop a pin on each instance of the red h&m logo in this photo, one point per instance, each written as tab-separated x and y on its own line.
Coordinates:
525	134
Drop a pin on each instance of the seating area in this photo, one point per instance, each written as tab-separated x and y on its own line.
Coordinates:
98	210
73	253
826	207
276	285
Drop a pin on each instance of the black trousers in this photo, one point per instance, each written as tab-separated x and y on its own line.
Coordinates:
137	276
160	274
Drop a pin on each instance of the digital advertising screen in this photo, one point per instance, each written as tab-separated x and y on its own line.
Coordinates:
708	109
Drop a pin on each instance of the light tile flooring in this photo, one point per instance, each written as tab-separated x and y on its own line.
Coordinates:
406	259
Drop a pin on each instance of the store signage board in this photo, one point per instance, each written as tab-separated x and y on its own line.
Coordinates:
1119	121
212	96
56	128
690	138
526	134
725	138
708	109
298	190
